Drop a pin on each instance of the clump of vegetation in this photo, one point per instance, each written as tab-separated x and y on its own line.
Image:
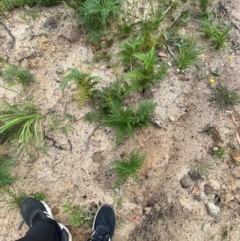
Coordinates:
6	164
23	123
225	97
215	31
188	53
128	51
219	153
112	113
79	215
202	167
7	5
204	7
128	168
12	74
208	129
95	15
85	84
147	72
16	199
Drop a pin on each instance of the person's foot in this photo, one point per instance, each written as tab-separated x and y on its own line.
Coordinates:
33	210
104	224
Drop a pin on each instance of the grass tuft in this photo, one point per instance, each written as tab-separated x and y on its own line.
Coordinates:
79	215
6	164
225	97
23	123
188	53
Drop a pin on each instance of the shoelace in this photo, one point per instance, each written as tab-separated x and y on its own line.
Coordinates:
100	235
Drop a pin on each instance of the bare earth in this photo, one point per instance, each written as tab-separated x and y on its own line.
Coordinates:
167	204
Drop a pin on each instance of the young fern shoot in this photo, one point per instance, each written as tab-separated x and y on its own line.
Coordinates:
85	84
13	75
128	168
146	72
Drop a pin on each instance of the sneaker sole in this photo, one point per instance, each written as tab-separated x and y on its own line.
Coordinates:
66	229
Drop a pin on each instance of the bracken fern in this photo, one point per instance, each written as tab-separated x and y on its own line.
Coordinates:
128	168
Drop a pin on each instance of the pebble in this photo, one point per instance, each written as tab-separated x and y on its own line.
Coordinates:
55	210
235	157
186	182
206	227
215	148
213	210
208	189
171	118
24	64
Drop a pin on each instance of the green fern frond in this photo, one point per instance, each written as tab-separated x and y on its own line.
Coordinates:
129	49
147	60
126	169
85	84
145	110
95	13
12	74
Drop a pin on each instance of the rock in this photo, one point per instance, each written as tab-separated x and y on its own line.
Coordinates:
215	148
235	157
24	64
186	182
213	210
171	118
208	189
23	52
197	198
206	227
55	210
195	175
50	23
70	32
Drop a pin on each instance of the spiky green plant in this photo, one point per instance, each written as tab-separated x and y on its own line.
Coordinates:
202	167
215	31
128	49
6	163
94	14
85	84
188	53
79	215
225	97
123	119
146	72
128	168
23	123
12	74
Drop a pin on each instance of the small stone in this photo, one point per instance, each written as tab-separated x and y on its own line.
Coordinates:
24	64
195	175
55	210
94	205
169	64
197	198
235	157
186	182
171	118
206	227
213	210
70	31
208	189
215	148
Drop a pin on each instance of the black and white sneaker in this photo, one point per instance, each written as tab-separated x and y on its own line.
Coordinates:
104	224
33	210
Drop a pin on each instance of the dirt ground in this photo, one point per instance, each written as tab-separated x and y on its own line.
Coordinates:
168	204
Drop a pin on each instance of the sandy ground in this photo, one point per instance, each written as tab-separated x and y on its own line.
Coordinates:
167	204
